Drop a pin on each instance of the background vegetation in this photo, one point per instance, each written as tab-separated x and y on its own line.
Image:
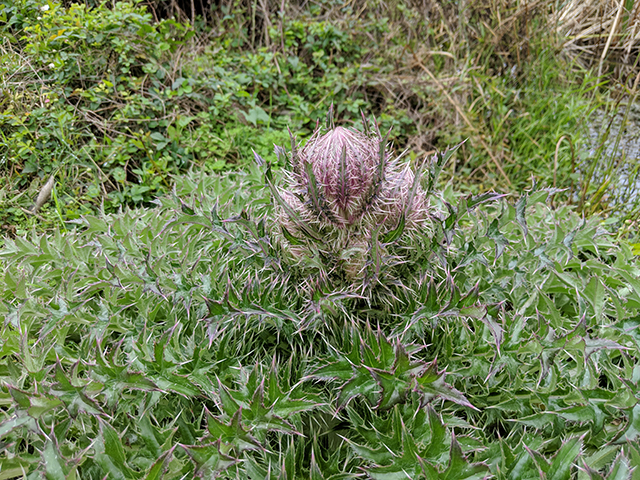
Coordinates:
173	341
112	101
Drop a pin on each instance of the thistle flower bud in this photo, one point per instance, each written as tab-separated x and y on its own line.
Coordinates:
345	185
344	165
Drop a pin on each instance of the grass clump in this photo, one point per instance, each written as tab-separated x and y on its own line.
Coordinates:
177	342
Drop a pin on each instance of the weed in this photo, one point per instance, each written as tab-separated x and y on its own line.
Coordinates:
176	342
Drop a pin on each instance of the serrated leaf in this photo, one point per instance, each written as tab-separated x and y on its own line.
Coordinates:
177	384
289	237
499	239
114	457
291	213
460	469
631	431
564	459
391	472
285	406
393	389
14	422
521	207
594	292
55	467
377	350
431	382
317	202
23	399
394	234
537	420
232	433
361	384
406	464
602	457
215	307
208	459
159	467
382	159
342	370
449	224
494	327
314	470
475	200
578	413
187	209
522	468
567	241
148	434
437	163
620	470
40	405
379	456
229	405
437	444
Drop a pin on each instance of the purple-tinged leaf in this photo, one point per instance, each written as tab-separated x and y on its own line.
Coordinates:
317	202
499	239
343	181
365	124
521	207
431	383
160	466
475	200
413	191
295	157
292	214
259	160
449	224
232	433
208	459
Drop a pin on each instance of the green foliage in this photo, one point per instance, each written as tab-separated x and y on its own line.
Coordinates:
536	118
176	342
182	341
114	104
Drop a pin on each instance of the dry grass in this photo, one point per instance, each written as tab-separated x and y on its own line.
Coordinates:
605	33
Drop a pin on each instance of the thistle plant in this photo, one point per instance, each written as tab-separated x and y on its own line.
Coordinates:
349	203
163	343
